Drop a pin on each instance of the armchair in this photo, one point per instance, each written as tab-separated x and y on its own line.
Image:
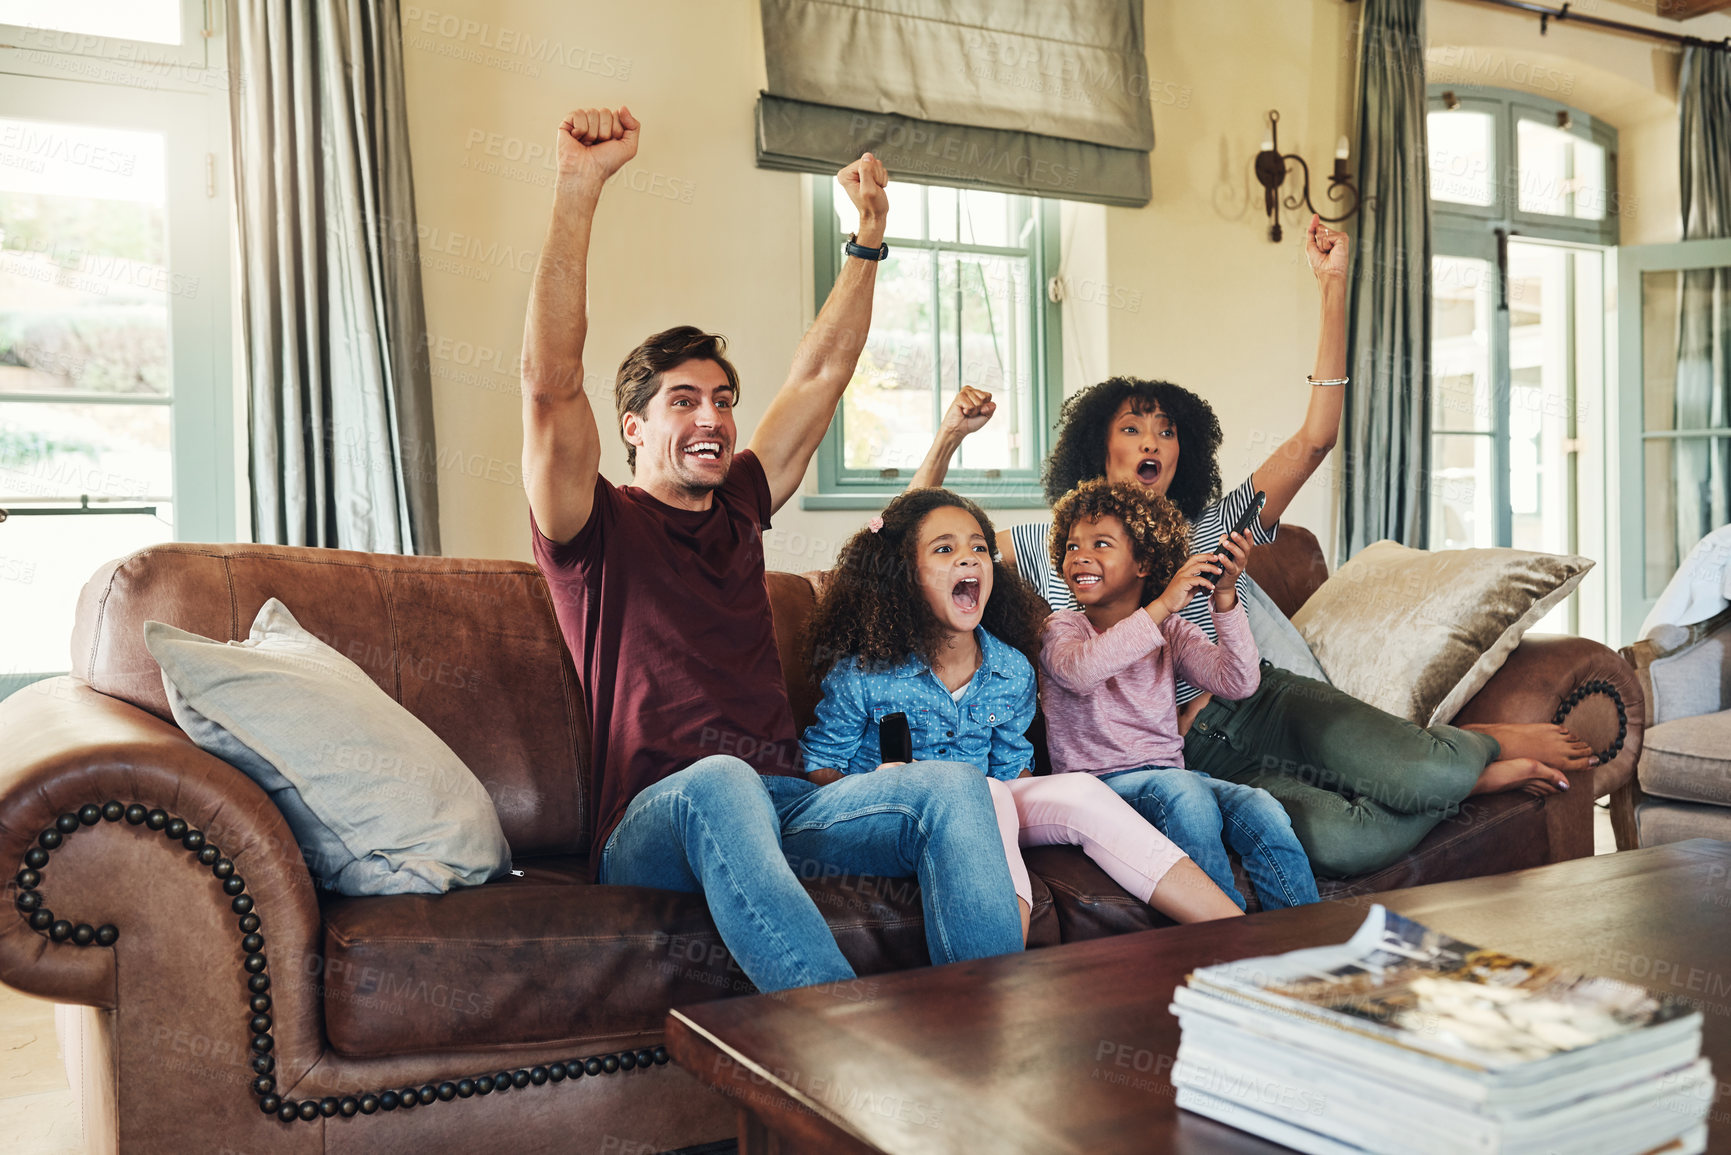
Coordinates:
1683	787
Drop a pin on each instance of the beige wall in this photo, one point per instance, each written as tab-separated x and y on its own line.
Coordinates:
699	235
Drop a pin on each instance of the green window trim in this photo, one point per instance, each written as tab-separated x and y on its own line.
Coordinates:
840	488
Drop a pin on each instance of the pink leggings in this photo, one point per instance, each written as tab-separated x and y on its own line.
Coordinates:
1080	810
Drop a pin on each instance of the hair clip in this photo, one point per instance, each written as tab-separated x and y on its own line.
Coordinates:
875	524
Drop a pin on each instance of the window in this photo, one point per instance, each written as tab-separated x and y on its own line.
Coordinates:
116	413
961	300
1522	214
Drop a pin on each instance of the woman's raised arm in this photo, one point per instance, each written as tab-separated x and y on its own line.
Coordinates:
1295	459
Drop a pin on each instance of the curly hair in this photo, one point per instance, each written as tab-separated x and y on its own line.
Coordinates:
1159	534
1083	431
872	608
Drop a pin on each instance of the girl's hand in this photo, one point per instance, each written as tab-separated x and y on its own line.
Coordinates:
890	765
1193	575
1235	553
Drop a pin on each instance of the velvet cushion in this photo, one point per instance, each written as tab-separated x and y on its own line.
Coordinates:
1418	633
378	803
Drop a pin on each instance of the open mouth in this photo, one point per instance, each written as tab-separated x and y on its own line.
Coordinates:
1085	581
1148	471
705	450
966	595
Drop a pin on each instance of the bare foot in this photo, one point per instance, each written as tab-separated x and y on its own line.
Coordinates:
1527	774
1549	743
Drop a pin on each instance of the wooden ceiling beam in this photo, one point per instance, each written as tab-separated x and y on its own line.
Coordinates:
1689	9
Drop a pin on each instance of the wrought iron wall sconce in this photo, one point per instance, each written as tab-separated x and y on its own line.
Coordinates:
1272	169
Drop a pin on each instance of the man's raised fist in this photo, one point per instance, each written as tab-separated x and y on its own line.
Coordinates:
595	143
864	181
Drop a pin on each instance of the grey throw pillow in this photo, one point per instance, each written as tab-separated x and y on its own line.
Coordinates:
1277	639
378	802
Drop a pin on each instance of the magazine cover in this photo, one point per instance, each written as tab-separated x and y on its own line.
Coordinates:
1407	983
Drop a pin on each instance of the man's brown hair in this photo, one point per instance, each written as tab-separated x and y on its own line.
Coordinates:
1159	535
640	373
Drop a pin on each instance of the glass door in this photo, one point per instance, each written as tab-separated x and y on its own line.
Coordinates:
1517	356
1674	356
115	407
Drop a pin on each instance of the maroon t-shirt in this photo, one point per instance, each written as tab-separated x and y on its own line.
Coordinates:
666	614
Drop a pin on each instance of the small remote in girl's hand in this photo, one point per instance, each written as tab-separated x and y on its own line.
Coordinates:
1244	522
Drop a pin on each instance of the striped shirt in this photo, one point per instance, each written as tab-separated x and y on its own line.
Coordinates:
1034	561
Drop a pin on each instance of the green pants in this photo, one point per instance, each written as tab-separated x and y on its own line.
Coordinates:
1362	786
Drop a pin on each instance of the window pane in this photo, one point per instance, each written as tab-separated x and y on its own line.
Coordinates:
996	352
44	562
1561	174
1540	396
155	20
907	210
84	280
1687	480
942	207
1461	157
108	452
887	410
1460	344
986	219
1462	510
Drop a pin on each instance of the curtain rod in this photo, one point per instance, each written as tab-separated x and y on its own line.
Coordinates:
1546	15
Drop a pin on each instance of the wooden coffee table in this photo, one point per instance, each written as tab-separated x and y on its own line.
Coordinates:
1070	1048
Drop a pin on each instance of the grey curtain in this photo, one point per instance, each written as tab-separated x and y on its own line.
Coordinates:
340	403
1701	474
1387	435
1022	96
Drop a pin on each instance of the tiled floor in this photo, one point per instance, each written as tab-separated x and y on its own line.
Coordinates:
36	1107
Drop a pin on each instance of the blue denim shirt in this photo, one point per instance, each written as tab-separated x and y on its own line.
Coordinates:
987	727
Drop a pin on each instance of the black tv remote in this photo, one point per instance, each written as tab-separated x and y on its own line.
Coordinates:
895	740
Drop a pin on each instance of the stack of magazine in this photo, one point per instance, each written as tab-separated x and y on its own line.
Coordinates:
1406	1040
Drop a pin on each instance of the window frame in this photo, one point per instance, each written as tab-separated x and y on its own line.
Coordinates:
854	489
1472	232
145	57
175	90
1507	109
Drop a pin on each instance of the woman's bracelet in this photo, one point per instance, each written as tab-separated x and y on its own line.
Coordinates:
1333	381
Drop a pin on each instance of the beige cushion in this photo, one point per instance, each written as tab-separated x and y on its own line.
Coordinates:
1689	759
1418	633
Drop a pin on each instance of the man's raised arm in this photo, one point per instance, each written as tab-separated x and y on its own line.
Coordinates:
561	445
823	365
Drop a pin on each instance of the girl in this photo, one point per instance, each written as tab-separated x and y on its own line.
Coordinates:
1110	671
918	618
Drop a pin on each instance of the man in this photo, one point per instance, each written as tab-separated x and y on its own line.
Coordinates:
660	592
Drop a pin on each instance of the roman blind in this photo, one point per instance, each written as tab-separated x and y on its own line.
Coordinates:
1019	96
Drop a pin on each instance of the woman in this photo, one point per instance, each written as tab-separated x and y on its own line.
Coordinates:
1362	786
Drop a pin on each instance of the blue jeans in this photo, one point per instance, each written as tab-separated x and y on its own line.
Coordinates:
1195	810
719	828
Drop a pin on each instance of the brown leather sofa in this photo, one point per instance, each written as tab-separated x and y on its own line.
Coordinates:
162	899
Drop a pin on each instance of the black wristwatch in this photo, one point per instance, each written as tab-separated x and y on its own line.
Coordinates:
854	249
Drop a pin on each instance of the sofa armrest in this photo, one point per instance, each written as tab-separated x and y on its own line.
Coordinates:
175	973
1550	678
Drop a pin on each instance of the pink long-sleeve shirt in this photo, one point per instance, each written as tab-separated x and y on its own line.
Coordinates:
1109	697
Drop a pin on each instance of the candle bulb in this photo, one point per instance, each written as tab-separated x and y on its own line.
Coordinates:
1341	151
1267	145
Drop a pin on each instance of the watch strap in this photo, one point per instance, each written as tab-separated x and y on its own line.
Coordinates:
854	249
